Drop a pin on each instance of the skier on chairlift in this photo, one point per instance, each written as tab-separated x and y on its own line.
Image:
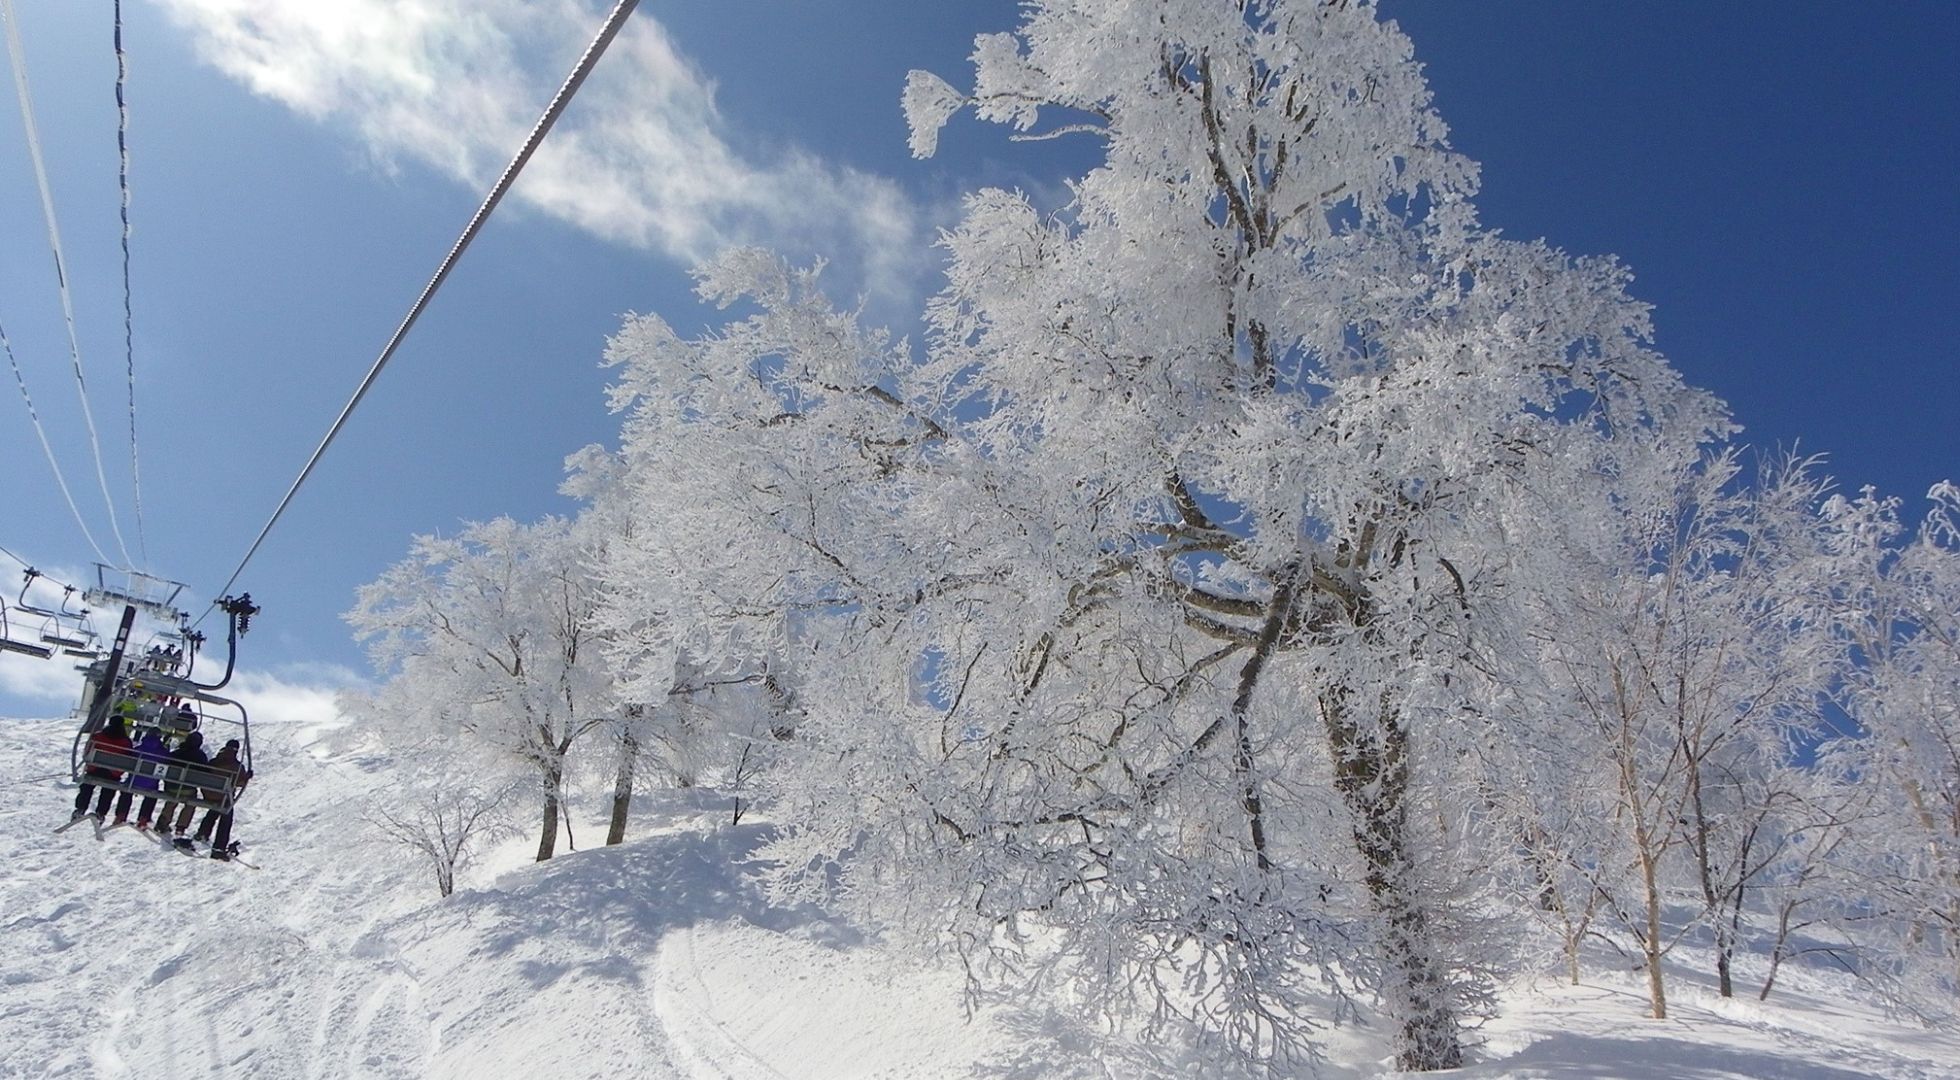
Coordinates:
149	748
226	764
189	752
114	739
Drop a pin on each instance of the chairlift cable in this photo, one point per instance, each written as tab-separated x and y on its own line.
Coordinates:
30	566
558	102
60	480
18	56
129	321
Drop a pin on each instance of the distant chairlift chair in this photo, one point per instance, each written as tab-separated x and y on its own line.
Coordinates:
55	630
10	643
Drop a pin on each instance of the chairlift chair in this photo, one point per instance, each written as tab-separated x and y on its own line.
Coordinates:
86	651
79	618
185	784
55	630
10	643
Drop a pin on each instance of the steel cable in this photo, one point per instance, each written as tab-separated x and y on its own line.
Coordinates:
60	263
558	102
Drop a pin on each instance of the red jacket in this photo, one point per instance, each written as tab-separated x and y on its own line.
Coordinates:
108	741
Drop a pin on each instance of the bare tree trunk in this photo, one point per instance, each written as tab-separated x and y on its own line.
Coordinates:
741	770
554	773
1371	770
1651	940
1782	948
1711	894
622	800
1649	843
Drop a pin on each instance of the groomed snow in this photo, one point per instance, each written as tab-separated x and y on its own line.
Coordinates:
655	959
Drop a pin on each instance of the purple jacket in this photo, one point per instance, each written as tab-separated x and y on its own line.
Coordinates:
149	748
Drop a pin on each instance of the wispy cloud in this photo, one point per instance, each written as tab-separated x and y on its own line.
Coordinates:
643	156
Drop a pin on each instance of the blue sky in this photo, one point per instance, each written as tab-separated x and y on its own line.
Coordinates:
1774	174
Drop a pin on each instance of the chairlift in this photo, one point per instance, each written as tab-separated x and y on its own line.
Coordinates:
147	692
147	698
86	651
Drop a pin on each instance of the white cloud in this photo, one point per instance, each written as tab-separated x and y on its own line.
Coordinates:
302	694
642	156
294	694
29	686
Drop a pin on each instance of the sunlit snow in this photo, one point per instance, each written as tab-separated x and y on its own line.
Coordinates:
328	957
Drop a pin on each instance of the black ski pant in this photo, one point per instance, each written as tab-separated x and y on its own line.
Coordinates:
103	797
222	818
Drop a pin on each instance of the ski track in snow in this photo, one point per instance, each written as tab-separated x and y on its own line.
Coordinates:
156	965
657	960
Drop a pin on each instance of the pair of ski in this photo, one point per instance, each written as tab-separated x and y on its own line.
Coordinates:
100	828
162	839
183	846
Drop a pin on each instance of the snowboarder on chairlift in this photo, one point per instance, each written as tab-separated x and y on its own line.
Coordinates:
112	739
225	763
190	752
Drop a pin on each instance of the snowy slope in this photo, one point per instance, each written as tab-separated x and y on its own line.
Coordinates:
656	959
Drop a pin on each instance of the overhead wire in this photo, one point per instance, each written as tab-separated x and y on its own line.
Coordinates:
562	98
60	480
25	565
18	56
129	320
14	557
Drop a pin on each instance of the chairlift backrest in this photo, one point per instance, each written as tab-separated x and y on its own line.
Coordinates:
176	722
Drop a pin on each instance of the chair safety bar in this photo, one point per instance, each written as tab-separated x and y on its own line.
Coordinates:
174	781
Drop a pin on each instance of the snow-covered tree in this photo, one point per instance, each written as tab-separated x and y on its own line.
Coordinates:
1161	601
1150	604
1696	653
492	634
593	475
1901	601
442	820
756	468
1267	380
